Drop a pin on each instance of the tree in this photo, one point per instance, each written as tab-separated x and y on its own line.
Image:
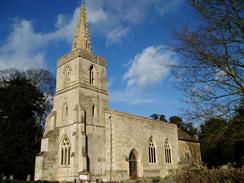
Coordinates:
211	69
222	141
21	105
44	80
213	147
235	134
162	118
154	116
187	127
159	117
176	120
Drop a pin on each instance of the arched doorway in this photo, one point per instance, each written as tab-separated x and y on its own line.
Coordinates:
132	165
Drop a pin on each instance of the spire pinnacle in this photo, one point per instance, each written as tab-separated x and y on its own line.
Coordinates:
82	36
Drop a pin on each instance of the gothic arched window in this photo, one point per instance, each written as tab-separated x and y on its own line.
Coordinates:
152	151
65	151
167	152
92	75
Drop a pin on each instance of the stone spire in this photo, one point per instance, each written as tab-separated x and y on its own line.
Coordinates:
82	37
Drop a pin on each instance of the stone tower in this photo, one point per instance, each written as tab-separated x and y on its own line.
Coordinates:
73	144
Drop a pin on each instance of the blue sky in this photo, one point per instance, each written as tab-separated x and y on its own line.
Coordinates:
132	35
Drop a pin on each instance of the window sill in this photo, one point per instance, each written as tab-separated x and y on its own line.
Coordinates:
152	163
64	166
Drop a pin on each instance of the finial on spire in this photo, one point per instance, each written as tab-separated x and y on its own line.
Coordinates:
82	36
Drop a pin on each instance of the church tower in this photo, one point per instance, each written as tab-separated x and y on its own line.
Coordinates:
73	144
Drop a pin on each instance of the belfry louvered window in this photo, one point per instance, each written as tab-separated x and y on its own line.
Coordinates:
152	151
167	152
65	151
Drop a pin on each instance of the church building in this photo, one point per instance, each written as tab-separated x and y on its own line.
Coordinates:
85	140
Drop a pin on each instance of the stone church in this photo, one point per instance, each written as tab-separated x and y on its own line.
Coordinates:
85	140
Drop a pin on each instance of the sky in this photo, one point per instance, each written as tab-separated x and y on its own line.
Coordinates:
134	36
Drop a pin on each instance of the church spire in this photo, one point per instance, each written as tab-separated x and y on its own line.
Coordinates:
82	37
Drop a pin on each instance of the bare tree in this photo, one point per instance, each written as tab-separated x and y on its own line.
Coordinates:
7	74
211	68
44	80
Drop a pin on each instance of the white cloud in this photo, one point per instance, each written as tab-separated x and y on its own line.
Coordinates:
61	21
169	6
146	70
66	28
116	35
96	15
113	19
149	67
24	47
19	49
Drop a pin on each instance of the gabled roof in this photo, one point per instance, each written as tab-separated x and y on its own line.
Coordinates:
182	135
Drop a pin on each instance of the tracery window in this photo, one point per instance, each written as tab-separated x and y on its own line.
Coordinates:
167	152
65	151
152	151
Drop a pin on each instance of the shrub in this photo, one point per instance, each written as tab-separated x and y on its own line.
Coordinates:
211	176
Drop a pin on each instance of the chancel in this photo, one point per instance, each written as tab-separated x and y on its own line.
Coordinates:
85	140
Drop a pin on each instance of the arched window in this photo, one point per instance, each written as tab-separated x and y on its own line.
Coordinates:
65	151
92	75
133	164
94	110
151	151
167	152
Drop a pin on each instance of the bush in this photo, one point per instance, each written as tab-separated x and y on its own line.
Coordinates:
211	176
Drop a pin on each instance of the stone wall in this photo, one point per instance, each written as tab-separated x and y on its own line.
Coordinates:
189	153
128	132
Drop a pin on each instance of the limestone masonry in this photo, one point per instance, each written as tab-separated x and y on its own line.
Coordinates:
85	140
